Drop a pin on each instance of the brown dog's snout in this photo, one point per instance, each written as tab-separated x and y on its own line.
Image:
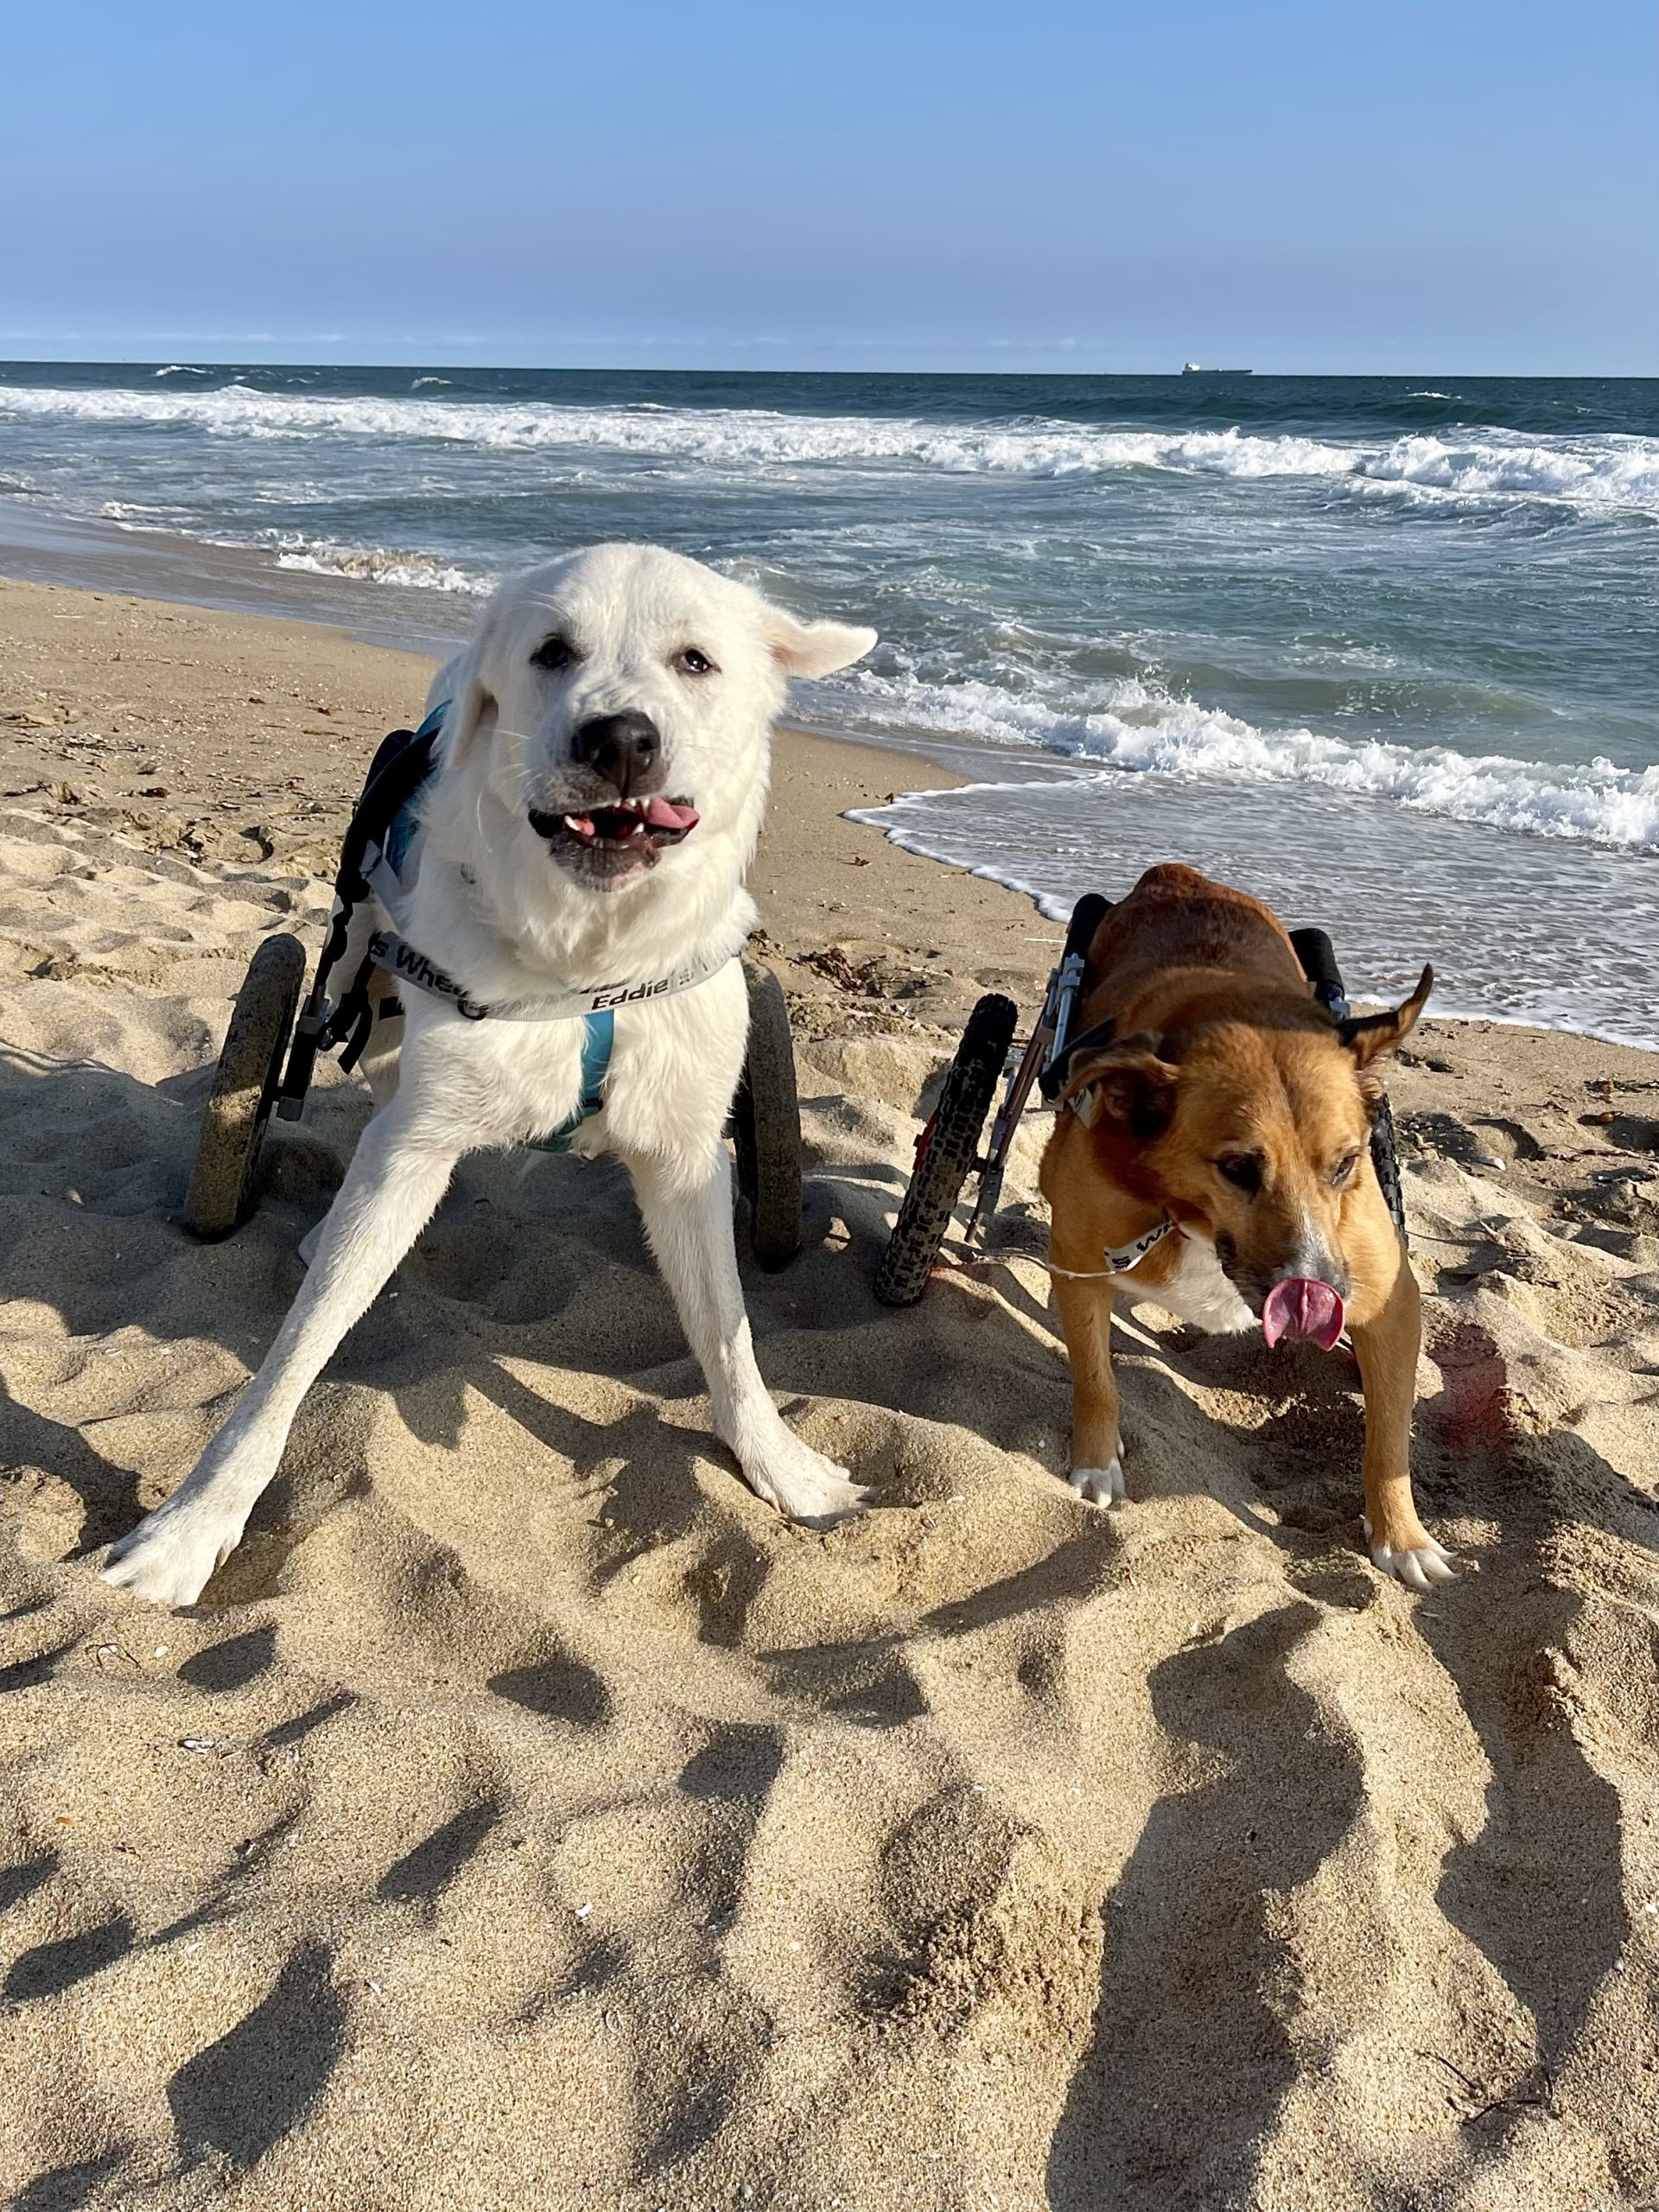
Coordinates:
1310	1259
1293	1256
625	749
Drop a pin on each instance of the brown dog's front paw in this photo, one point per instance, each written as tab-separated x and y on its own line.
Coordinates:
1099	1485
1410	1555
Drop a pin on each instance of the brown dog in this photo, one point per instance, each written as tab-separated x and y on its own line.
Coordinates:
1212	1155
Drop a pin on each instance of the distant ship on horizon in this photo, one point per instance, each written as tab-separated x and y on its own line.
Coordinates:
1191	369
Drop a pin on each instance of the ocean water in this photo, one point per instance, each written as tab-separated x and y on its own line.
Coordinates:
1384	651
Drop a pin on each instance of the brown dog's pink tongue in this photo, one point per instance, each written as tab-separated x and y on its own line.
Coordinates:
1302	1308
663	814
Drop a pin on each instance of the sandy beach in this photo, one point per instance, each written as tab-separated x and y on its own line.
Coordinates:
528	1818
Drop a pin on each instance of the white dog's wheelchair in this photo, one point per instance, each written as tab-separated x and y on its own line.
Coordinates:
947	1151
377	859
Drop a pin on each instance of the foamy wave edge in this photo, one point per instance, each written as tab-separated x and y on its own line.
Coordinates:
1605	473
1150	734
377	564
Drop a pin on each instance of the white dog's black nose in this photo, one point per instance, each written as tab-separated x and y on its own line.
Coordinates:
626	749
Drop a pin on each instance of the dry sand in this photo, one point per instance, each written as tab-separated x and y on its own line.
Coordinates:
528	1818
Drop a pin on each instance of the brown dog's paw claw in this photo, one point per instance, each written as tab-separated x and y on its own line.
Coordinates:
1099	1485
1420	1566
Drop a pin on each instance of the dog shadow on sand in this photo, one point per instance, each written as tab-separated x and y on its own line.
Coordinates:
1190	2057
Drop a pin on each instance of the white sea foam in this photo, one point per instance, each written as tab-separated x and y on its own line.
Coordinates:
1137	729
1611	472
378	564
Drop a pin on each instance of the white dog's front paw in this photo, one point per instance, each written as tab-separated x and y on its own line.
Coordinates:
1420	1566
170	1555
1099	1485
802	1484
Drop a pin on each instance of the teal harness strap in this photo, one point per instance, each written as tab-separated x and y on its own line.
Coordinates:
598	1035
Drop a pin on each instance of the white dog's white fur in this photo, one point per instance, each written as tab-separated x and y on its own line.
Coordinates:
496	907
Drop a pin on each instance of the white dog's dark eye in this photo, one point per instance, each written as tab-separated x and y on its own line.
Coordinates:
692	662
553	652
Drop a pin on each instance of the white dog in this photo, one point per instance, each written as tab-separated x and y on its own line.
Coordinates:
603	776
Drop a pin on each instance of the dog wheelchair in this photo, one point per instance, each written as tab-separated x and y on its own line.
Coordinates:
272	1044
947	1151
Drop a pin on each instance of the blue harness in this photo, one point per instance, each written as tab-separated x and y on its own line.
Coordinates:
598	1035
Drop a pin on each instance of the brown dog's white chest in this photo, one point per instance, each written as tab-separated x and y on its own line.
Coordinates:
1197	1291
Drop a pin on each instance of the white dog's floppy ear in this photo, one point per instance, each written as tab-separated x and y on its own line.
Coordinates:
814	648
470	711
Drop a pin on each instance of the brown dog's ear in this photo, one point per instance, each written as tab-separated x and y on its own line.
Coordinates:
1129	1085
1368	1035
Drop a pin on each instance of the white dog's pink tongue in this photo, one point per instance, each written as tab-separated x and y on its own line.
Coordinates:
1302	1308
663	814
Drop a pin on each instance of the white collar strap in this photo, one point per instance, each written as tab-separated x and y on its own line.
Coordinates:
388	951
1121	1259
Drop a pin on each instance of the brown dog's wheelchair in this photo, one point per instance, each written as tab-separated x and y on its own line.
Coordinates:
947	1151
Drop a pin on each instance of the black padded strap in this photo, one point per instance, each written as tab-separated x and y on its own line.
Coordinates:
1055	1077
1087	916
1318	958
403	763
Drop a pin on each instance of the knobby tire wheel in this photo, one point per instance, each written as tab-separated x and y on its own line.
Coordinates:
949	1148
1385	1161
766	1126
244	1089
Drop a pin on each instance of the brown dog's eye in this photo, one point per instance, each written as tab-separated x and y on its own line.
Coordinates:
554	652
1242	1170
693	662
1344	1168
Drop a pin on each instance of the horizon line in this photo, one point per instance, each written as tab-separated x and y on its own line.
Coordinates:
304	360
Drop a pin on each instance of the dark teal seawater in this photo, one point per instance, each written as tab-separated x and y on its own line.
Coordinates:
1383	648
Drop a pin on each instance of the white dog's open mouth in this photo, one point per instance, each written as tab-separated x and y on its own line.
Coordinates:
613	841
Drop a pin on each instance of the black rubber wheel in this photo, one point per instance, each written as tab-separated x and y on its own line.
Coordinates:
1386	1162
766	1126
947	1150
244	1088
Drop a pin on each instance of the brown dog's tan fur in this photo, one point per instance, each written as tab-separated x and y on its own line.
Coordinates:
1221	1058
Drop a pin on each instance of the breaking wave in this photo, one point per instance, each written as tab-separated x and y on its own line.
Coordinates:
1140	730
1609	472
377	564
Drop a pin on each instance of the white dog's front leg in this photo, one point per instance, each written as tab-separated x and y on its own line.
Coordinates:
385	1201
691	1232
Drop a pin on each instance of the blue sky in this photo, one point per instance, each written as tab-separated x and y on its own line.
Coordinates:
1041	184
